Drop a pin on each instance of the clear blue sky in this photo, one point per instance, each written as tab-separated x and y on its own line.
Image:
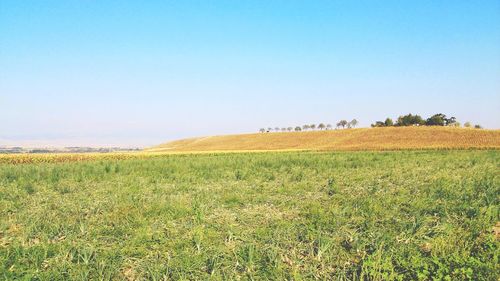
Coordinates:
143	72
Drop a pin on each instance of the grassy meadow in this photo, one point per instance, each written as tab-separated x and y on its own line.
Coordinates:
404	215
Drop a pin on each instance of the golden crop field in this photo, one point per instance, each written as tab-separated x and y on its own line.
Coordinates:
67	157
391	138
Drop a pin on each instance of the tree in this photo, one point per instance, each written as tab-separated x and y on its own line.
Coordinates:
329	126
298	129
283	129
305	127
312	126
410	120
321	126
342	123
436	120
440	120
467	124
353	123
262	130
269	129
451	121
388	122
289	129
477	126
378	124
277	129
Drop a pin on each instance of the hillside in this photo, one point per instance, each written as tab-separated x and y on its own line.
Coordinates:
391	138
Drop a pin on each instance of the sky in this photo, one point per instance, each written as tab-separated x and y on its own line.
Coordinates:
140	73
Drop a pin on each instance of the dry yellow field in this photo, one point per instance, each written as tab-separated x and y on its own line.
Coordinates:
391	138
66	157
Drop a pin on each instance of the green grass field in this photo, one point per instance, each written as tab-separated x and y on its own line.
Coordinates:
408	215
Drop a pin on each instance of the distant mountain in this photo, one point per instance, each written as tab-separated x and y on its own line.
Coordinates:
74	149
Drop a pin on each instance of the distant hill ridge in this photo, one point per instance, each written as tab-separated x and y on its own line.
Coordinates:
389	138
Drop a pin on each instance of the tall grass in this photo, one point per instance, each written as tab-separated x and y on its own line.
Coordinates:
342	216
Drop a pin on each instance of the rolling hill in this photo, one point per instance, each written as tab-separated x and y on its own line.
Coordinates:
390	138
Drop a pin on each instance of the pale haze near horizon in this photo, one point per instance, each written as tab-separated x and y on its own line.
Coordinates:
122	73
